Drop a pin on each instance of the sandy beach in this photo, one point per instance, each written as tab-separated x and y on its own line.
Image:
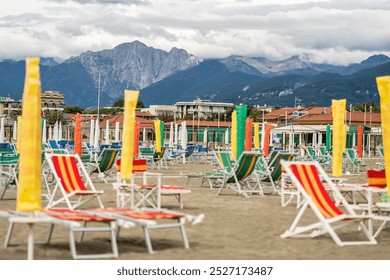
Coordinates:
234	228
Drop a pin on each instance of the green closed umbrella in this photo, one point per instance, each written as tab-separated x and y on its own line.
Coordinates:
328	138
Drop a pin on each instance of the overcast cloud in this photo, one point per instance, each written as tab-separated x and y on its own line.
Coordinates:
334	31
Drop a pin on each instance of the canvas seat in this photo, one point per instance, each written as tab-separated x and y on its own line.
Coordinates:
9	173
309	178
71	181
237	178
354	163
103	165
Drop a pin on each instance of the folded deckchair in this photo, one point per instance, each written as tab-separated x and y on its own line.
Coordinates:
309	178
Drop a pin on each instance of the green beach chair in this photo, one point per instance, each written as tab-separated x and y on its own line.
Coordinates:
237	178
8	172
104	163
225	162
354	163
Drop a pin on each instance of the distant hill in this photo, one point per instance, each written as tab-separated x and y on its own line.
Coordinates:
168	77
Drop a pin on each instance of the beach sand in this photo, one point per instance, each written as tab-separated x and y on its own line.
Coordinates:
234	228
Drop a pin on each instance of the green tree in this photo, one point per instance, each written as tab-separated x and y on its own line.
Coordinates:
53	116
73	110
365	106
255	114
121	103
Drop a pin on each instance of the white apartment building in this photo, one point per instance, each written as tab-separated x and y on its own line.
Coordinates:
203	109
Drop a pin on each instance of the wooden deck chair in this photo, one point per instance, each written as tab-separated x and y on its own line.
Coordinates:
309	178
354	163
236	179
71	181
77	221
150	219
104	163
8	172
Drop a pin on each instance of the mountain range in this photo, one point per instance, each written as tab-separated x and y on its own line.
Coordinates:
168	77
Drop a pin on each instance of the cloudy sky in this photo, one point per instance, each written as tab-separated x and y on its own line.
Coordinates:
332	31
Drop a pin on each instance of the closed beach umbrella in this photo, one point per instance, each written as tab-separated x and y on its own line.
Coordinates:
144	135
107	134
92	133
267	138
248	135
136	139
176	134
157	131
77	136
97	135
338	115
227	136
184	135
171	132
383	84
44	137
15	131
29	188
130	102
2	130
360	141
55	131
117	132
205	135
328	138
60	131
256	136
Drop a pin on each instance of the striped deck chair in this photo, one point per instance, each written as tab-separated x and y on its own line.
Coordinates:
354	163
237	178
226	162
310	177
275	166
77	221
69	182
262	171
104	163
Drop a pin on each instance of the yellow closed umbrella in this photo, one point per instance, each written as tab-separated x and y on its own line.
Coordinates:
383	84
29	189
338	136
130	103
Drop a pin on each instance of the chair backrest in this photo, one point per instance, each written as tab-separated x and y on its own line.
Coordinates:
352	155
107	159
68	172
311	186
376	178
139	165
146	152
159	155
224	159
311	152
276	167
380	151
53	144
189	150
245	166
